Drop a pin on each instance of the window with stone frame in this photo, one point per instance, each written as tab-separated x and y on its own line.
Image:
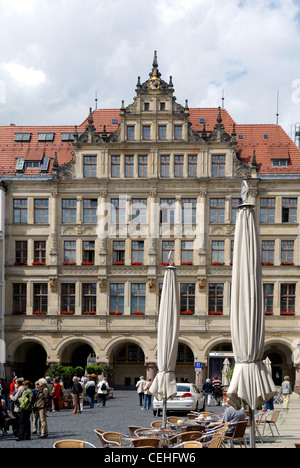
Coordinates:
268	252
89	298
187	298
68	295
39	251
192	166
267	210
289	210
40	298
143	166
41	211
217	210
70	251
269	298
21	253
288	299
119	252
165	166
88	252
218	165
138	298
116	298
187	252
129	166
69	211
167	247
90	211
118	210
115	166
178	168
20	211
137	252
216	298
89	166
19	298
217	251
287	251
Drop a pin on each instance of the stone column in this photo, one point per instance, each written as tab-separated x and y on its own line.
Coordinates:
297	377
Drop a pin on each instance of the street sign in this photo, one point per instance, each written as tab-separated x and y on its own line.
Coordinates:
198	365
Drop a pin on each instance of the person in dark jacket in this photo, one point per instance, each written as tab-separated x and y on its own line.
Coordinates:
208	390
76	392
90	389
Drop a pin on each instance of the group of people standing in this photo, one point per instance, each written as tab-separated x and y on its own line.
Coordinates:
89	387
21	400
213	389
143	390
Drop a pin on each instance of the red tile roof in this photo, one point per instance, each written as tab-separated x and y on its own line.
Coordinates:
277	145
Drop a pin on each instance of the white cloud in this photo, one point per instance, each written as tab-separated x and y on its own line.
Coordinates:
24	76
20	7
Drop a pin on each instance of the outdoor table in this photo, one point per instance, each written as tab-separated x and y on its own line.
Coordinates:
162	434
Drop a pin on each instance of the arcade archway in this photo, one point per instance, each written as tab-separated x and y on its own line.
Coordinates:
30	361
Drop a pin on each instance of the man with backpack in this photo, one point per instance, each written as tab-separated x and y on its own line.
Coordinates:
25	403
102	390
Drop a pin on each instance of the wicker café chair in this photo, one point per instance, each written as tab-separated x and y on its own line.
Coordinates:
143	442
70	444
132	430
192	444
157	424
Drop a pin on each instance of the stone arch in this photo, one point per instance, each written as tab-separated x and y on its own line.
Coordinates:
75	351
280	353
29	359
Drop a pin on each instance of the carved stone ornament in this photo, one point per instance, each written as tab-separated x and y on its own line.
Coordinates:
202	284
151	283
53	283
102	284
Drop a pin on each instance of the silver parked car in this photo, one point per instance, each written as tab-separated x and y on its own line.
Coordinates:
188	398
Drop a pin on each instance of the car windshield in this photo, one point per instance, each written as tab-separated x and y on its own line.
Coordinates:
183	388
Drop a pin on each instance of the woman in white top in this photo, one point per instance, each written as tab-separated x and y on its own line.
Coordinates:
140	389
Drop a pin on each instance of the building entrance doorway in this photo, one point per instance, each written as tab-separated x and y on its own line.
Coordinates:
30	361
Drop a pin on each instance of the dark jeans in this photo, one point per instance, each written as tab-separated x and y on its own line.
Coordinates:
24	428
102	398
141	397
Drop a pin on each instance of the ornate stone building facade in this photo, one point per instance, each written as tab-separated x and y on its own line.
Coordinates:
89	215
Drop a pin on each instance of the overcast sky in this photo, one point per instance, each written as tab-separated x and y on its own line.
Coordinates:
55	54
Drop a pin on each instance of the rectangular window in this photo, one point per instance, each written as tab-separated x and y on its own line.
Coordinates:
21	252
216	295
146	132
90	211
288	299
70	251
167	210
41	207
89	297
287	251
218	166
68	298
118	207
139	211
267	210
138	299
46	136
90	166
130	132
40	251
19	299
217	252
189	210
129	166
187	297
217	210
20	211
187	252
117	298
268	250
88	252
165	166
115	166
178	132
143	166
69	211
119	252
289	210
192	166
167	247
137	252
178	166
40	298
162	132
269	298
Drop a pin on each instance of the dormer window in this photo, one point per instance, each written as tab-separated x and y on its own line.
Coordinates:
23	137
46	136
280	162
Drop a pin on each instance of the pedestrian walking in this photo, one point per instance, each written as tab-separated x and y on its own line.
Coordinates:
208	390
83	393
218	390
57	394
147	395
42	405
90	389
36	424
51	389
286	390
25	403
76	392
102	391
140	389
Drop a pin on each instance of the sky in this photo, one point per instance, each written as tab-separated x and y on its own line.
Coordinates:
55	55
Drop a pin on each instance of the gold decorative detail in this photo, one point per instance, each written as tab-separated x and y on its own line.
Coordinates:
53	284
202	284
102	284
